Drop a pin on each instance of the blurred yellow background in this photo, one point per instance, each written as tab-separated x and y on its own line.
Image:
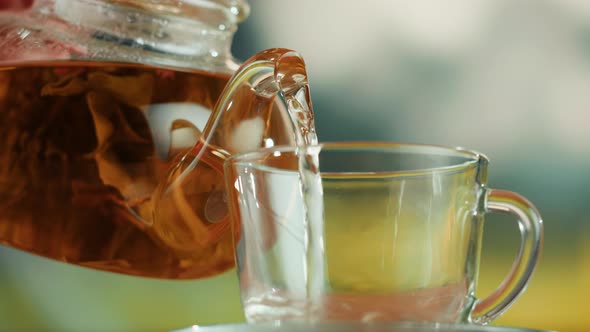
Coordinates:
508	78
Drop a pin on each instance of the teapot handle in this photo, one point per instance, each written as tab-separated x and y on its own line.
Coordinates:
266	103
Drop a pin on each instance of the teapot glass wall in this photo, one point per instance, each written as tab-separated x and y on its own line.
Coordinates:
115	119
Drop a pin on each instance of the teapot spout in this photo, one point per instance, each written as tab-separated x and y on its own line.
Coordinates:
266	103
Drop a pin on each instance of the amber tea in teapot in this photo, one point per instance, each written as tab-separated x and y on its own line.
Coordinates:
116	164
78	153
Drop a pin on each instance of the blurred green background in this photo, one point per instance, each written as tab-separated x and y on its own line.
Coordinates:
510	78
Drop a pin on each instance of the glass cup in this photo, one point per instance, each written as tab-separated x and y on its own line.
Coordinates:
384	232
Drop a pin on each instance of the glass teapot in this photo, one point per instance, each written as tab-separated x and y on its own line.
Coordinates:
115	119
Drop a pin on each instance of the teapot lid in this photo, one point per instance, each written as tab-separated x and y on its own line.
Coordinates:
186	28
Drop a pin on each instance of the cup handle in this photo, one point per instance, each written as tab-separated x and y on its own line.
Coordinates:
531	231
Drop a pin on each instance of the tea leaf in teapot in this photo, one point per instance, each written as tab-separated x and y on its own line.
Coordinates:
113	132
110	122
132	90
68	84
135	91
114	102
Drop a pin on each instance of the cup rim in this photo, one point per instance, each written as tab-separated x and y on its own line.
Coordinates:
472	157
